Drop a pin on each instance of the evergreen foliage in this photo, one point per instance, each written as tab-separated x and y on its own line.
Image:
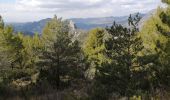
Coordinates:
123	48
111	63
60	61
94	49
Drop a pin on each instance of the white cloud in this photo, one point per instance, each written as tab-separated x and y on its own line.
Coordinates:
30	10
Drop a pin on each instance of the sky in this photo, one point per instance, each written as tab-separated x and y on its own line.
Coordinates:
33	10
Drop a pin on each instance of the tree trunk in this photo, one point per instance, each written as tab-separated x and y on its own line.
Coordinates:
128	98
58	73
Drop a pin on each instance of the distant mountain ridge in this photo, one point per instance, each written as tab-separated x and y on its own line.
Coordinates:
30	28
80	23
90	23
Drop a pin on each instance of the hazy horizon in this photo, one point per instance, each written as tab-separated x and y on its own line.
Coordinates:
74	18
34	10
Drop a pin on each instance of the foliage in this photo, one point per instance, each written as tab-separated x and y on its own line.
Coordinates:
121	61
150	32
155	36
61	59
166	1
123	48
94	49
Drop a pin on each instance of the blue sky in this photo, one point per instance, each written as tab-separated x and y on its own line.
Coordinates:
32	10
7	1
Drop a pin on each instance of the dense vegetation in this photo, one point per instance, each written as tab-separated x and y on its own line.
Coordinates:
112	63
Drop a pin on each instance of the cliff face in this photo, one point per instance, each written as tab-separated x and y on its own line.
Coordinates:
77	34
73	30
72	25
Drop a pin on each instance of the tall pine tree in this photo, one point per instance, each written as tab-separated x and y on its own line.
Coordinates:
61	58
123	49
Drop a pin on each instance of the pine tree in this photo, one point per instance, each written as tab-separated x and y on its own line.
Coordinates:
14	58
162	69
94	48
60	59
155	36
123	49
159	70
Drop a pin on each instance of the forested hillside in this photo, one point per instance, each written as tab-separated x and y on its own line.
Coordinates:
111	63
